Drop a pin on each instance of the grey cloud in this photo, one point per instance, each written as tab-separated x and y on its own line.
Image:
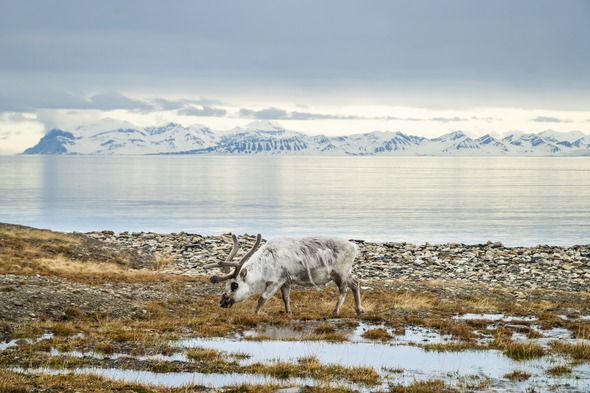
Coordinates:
377	48
281	114
549	119
167	105
438	119
448	119
319	116
273	113
113	100
203	111
264	114
5	134
15	117
488	119
28	99
17	100
164	104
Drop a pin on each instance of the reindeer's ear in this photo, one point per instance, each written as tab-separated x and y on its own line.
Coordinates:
243	272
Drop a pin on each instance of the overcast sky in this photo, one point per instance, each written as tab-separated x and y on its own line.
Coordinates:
332	67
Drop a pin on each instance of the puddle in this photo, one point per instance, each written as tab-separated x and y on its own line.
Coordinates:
488	363
412	335
494	318
399	360
174	380
15	342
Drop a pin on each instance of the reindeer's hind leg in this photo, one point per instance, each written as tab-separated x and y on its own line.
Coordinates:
355	286
285	291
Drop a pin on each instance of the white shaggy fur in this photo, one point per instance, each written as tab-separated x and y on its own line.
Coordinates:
307	261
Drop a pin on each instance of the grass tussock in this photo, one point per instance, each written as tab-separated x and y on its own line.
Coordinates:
433	385
327	389
251	388
520	350
379	334
559	371
516	350
580	330
214	360
460	330
453	346
578	351
311	367
518	375
14	382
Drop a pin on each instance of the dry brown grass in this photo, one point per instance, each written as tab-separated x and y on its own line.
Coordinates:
559	370
406	300
26	250
377	334
163	261
518	375
516	350
434	385
13	382
453	346
311	367
580	330
175	316
578	351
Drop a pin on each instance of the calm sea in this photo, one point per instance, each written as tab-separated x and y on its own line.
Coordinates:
518	201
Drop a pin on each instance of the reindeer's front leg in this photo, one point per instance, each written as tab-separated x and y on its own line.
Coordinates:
270	289
342	287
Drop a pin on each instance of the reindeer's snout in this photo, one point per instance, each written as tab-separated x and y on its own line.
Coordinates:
226	301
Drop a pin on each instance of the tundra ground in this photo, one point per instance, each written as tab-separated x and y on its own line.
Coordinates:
64	294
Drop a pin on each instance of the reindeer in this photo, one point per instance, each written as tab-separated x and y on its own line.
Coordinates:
280	262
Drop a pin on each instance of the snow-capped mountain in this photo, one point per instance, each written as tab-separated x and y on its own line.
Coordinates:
110	137
125	139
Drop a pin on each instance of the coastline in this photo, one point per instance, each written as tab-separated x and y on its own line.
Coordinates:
539	267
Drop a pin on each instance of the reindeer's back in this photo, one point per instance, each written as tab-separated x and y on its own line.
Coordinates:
317	254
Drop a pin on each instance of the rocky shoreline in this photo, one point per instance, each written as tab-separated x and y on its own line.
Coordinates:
538	267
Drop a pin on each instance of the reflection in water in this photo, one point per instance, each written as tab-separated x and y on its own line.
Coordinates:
518	201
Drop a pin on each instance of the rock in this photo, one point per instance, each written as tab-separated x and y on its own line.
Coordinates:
492	263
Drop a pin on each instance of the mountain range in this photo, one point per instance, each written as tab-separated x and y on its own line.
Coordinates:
111	137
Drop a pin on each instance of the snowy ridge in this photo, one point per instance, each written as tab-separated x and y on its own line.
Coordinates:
109	137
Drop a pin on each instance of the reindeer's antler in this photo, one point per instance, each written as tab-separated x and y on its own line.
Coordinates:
229	263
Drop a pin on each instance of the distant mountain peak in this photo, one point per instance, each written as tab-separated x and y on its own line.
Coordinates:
451	136
263	137
54	142
264	125
557	136
106	124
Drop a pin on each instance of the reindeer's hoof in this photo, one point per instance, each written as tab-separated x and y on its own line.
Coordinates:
360	312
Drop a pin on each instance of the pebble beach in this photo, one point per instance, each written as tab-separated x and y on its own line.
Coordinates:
538	267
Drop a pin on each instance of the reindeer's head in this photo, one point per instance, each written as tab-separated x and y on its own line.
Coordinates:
237	287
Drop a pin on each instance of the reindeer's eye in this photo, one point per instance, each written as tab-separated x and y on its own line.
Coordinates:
234	286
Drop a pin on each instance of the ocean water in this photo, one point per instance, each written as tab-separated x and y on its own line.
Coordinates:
514	200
